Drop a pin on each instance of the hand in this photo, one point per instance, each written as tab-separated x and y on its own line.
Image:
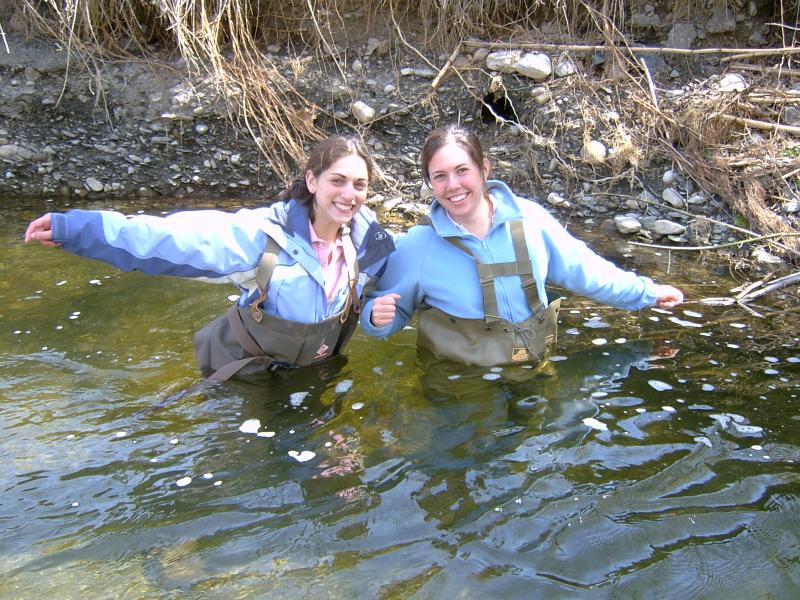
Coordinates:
668	296
384	309
40	230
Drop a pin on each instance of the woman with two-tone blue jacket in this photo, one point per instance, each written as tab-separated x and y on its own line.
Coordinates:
301	264
477	271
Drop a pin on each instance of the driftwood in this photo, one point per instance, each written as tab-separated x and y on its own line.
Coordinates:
749	52
760	124
785	71
760	238
751	292
443	71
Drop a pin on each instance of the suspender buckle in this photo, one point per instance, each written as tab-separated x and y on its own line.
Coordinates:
538	312
491	319
255	311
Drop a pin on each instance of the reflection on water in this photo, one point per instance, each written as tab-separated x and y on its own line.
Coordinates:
656	456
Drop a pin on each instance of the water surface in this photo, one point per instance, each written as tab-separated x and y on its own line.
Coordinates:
655	457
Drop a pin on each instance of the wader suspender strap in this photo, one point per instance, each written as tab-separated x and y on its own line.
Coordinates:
488	271
351	264
263	274
248	343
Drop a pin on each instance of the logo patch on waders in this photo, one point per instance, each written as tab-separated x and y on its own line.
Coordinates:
520	355
323	351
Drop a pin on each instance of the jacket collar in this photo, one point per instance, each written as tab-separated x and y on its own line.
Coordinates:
505	209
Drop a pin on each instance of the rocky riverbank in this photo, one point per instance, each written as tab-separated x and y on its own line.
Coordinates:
134	129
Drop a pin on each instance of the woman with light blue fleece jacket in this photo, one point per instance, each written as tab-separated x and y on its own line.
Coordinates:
477	271
301	264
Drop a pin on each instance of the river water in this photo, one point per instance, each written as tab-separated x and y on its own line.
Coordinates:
655	457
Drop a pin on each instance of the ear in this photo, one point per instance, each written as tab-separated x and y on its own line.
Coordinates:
311	182
486	168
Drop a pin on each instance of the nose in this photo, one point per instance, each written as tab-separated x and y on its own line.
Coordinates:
348	191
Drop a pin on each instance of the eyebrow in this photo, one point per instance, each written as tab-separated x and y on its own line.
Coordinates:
337	174
458	166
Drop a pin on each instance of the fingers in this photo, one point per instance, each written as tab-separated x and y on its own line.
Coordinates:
669	297
384	309
40	230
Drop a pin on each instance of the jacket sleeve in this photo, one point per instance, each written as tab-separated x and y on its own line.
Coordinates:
198	244
403	276
573	265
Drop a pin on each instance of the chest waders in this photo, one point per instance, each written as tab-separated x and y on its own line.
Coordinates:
493	340
246	340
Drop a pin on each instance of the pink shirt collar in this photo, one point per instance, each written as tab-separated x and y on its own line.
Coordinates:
330	259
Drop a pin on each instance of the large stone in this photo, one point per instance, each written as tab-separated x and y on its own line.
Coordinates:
722	21
503	61
14	153
732	82
564	66
672	197
535	65
645	20
764	257
556	199
594	152
682	35
671	176
362	111
378	46
664	227
93	184
626	224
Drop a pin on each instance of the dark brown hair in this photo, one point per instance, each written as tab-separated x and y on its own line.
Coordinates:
321	157
440	136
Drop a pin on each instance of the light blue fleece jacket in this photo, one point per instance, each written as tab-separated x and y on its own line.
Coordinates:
223	247
427	267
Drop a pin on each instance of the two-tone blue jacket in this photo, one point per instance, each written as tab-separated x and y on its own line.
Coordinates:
427	267
223	247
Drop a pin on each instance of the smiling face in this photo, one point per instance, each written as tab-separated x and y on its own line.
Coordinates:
339	191
459	183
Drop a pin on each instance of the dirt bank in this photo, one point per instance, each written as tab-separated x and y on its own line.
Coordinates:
574	138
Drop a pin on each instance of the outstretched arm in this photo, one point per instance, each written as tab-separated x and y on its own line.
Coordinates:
199	244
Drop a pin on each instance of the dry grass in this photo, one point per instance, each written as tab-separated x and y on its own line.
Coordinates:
707	133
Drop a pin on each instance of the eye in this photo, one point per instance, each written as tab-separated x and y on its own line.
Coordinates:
438	177
360	185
